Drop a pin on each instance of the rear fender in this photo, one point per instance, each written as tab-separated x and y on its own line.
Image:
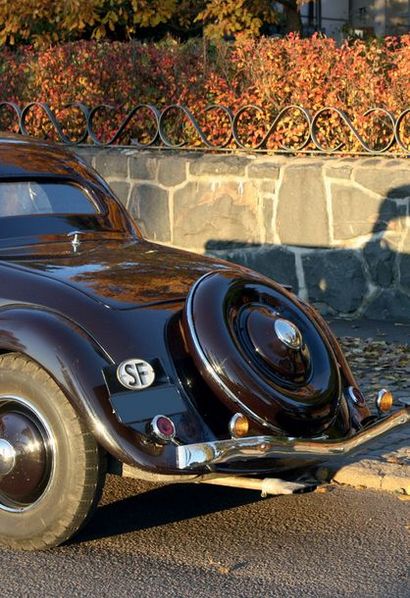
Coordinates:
75	361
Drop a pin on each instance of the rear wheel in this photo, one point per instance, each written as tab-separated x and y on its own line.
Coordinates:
51	470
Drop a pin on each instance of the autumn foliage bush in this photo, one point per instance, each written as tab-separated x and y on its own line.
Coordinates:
267	72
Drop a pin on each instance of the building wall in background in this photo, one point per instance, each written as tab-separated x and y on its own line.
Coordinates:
385	17
379	17
327	16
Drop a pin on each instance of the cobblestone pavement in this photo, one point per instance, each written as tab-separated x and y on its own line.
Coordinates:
380	363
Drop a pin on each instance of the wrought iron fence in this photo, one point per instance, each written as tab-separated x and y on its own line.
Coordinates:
293	129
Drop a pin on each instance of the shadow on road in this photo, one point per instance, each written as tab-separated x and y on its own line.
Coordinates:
155	506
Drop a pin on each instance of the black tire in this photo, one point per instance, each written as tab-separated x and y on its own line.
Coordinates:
66	467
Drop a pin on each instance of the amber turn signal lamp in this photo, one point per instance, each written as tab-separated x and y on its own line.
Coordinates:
239	425
384	401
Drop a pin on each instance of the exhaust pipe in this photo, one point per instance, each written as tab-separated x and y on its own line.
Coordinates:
266	486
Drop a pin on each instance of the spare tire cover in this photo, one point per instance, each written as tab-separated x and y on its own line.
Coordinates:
260	353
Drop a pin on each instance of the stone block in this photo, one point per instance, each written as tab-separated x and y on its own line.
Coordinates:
143	166
404	259
394	163
396	479
335	278
266	197
404	271
266	187
209	212
384	180
302	214
112	163
364	474
338	170
355	213
277	262
222	165
121	190
371	473
148	205
372	162
267	206
381	261
406	227
171	170
390	304
263	170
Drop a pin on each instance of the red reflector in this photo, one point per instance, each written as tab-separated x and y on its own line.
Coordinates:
163	427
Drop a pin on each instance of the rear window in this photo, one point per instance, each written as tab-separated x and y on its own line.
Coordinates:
26	198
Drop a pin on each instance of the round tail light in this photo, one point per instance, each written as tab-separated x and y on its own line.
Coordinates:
239	425
163	428
384	401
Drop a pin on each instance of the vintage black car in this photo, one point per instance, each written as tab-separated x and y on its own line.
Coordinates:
120	355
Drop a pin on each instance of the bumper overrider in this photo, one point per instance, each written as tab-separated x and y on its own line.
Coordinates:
220	452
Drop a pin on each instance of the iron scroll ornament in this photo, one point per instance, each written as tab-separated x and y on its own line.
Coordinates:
157	122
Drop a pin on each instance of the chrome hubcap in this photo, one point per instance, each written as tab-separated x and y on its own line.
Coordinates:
288	333
7	457
26	454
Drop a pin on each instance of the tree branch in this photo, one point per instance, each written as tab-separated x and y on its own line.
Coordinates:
287	3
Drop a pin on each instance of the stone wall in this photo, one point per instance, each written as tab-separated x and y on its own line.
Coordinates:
336	229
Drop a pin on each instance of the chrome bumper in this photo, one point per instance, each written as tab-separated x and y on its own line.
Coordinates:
191	456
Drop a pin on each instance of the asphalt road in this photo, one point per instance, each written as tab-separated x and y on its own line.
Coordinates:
197	541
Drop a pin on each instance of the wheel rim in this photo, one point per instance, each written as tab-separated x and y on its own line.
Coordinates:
27	454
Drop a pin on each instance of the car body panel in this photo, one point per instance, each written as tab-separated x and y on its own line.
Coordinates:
121	273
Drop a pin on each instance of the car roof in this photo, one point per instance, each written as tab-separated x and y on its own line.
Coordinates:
22	156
